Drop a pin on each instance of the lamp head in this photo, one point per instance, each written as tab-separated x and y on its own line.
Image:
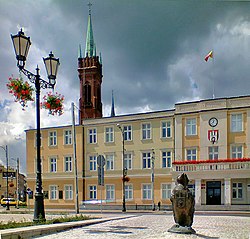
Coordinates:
21	45
51	65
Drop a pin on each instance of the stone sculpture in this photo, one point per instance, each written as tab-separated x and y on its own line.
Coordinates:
183	206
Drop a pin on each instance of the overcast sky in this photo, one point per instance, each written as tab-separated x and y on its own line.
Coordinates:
152	52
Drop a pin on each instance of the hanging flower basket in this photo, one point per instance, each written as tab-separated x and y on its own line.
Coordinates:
126	179
53	103
11	184
22	91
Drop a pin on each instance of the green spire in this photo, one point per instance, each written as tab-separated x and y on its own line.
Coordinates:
90	45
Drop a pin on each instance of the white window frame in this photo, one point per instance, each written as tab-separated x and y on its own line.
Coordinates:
166	130
110	162
52	138
53	192
213	152
166	189
127	132
67	137
146	131
146	160
191	126
110	192
68	189
237	189
191	154
92	192
92	136
236	150
166	159
128	159
68	163
147	191
92	162
237	122
53	165
128	192
109	134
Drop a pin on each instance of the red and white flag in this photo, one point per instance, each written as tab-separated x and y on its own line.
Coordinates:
209	55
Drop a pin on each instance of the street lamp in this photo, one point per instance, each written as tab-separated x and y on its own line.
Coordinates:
124	171
153	179
7	177
21	46
17	181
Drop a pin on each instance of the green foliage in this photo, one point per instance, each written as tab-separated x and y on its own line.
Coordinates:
14	224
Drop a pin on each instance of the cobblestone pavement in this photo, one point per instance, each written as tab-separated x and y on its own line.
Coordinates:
155	226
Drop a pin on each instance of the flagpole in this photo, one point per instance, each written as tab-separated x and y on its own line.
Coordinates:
213	76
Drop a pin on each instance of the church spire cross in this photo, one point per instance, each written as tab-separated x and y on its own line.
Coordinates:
89	4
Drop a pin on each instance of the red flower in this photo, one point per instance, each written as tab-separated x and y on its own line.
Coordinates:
21	91
54	103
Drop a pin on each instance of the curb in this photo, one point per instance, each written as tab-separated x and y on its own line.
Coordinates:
31	231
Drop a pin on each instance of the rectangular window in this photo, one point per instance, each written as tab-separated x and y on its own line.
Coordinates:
128	160
166	190
109	134
213	152
53	192
146	160
92	163
67	137
68	192
146	131
53	165
191	154
110	162
68	163
92	192
127	131
237	151
237	191
52	138
110	192
128	192
166	159
92	136
166	129
146	191
236	123
191	127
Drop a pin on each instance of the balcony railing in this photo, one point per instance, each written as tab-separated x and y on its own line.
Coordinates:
211	165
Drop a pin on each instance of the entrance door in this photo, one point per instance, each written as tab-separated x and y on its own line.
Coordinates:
214	193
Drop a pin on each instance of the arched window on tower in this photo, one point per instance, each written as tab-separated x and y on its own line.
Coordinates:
87	94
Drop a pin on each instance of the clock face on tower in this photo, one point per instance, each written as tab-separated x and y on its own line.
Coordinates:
213	122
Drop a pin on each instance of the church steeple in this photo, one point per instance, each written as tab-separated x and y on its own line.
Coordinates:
112	105
90	75
90	44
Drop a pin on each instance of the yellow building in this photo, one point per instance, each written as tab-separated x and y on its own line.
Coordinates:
57	165
207	139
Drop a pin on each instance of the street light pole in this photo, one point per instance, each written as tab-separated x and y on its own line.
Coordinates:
123	171
7	177
21	46
153	179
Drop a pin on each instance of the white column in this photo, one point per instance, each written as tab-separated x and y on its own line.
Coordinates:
198	192
227	188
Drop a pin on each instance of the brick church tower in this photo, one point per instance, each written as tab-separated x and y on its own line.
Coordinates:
90	75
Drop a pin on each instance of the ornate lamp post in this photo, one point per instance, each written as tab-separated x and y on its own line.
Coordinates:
7	177
21	45
124	171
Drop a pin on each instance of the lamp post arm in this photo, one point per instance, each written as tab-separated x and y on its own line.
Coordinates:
33	77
